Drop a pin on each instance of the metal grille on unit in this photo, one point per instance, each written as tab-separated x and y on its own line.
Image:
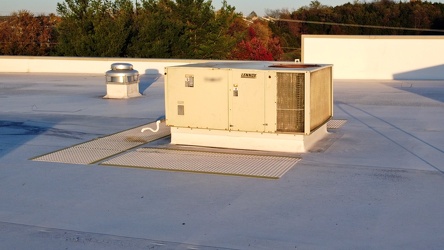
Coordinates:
290	102
320	98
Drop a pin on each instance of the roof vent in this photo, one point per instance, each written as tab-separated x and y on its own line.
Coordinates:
122	81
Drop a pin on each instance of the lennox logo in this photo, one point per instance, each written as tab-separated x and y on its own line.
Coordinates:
248	75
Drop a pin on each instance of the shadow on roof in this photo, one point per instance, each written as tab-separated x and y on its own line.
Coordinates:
429	73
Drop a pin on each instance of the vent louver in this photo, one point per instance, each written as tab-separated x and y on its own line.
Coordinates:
290	102
321	93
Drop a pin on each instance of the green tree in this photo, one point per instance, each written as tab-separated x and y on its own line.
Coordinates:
222	35
183	29
156	30
196	17
94	27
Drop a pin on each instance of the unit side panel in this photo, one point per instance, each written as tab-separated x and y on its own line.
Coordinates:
247	100
197	98
321	93
270	102
307	119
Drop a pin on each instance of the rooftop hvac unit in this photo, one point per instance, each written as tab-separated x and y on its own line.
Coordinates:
249	105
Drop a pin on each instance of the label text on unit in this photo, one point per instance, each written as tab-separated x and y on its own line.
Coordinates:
248	75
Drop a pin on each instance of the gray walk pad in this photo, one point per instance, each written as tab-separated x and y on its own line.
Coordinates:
104	147
263	166
99	149
335	124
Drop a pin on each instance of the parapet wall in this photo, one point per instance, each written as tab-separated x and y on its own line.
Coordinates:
88	65
377	57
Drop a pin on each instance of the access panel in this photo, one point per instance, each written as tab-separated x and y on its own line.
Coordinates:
197	98
247	100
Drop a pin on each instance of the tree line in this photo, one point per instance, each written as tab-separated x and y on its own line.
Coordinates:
384	17
188	29
193	29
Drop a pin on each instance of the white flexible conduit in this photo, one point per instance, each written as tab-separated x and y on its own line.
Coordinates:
152	130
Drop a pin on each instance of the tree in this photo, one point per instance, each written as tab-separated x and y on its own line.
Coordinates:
94	27
388	14
222	35
183	29
203	32
258	44
287	32
156	30
26	34
253	49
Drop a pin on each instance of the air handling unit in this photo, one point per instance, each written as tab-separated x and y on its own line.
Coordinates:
249	105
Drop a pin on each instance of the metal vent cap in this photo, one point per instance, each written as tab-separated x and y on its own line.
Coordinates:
122	73
121	66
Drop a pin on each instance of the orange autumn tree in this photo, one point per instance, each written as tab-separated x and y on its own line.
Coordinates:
25	34
259	43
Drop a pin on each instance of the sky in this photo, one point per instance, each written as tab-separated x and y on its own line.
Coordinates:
244	6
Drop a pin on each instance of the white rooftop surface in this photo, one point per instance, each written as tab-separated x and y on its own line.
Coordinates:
377	183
